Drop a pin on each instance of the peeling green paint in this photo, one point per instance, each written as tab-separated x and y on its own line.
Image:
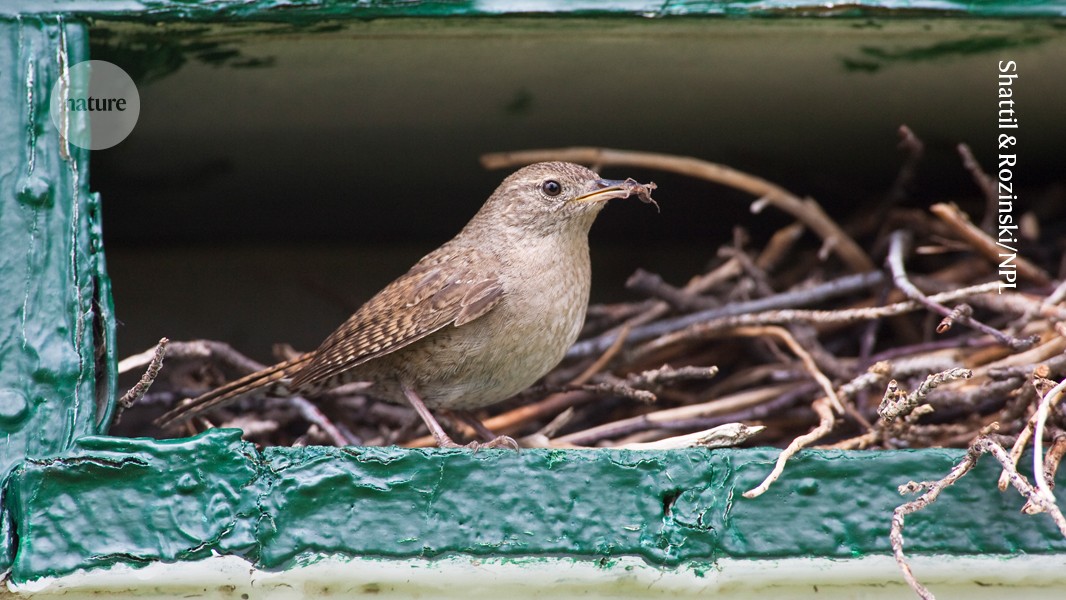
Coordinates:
56	329
186	499
290	11
103	501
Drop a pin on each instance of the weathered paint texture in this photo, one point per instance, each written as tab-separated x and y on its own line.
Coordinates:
55	323
134	501
290	10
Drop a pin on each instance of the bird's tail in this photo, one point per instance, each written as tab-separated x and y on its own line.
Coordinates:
263	381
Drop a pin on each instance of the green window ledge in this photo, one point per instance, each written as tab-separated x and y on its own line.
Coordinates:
288	11
190	499
71	500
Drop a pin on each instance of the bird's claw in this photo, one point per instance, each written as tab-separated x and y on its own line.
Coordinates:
503	441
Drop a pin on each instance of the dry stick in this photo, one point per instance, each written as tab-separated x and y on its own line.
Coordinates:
313	415
723	436
957	314
985	183
723	405
757	412
693	288
702	330
825	425
806	210
1021	484
980	446
1026	360
933	490
196	349
877	373
697	285
838	287
1054	458
779	246
915	149
139	389
666	375
894	408
783	334
985	245
653	285
1049	399
1044	307
1017	449
600	363
1051	466
897	241
1024	304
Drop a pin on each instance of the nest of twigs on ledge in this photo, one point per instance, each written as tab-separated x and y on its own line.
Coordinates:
941	328
905	328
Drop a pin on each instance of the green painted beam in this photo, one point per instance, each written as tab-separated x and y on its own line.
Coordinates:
136	501
292	11
55	303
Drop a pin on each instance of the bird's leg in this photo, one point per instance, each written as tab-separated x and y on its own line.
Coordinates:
495	441
442	438
427	417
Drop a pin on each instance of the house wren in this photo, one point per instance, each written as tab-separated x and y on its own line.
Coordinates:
475	321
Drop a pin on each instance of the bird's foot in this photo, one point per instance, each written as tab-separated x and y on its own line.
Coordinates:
502	441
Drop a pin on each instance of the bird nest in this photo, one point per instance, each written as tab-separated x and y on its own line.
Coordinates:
903	327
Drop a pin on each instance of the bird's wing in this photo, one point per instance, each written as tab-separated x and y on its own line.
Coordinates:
432	295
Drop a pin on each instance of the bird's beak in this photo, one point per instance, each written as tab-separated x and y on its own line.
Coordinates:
604	190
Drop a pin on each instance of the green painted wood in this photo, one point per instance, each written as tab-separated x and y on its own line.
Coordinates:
52	284
290	11
134	501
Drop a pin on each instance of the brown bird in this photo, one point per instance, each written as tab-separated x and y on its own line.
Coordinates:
473	322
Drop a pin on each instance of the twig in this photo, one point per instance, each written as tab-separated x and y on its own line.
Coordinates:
652	284
600	363
723	436
779	246
313	415
1016	451
1046	305
962	311
960	224
724	405
893	406
201	349
139	389
1054	458
1051	467
1049	400
783	334
980	446
766	410
933	490
825	425
986	184
667	375
673	334
697	285
619	389
843	286
806	210
915	149
1021	484
897	241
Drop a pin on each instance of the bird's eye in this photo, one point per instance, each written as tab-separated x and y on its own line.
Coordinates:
551	187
